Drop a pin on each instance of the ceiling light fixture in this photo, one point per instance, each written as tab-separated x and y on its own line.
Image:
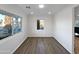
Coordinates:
77	15
41	6
49	12
32	13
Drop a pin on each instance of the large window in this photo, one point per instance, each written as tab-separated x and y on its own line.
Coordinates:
10	24
40	24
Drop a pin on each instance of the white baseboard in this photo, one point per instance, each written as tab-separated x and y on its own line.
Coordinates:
18	45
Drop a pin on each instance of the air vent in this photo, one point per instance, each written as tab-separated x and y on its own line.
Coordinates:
28	7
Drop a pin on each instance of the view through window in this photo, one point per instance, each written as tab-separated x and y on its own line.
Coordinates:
40	24
10	24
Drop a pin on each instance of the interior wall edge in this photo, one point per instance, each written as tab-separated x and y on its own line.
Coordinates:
19	45
58	37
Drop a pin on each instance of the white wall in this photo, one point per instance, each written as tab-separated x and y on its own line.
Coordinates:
59	26
64	28
32	26
9	44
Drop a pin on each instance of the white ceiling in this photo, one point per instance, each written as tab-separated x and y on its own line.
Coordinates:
54	8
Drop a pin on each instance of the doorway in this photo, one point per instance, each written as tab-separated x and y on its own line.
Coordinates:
76	30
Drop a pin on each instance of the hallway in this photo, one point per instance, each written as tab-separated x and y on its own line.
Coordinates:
41	45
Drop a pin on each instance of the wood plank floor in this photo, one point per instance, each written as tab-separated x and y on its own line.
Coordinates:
76	48
41	45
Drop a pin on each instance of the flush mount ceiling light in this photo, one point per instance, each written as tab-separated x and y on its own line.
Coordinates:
49	12
32	13
41	6
77	15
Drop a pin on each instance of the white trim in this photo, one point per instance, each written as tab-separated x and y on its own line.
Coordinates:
18	45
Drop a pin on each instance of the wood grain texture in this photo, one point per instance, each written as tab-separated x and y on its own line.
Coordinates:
41	45
76	45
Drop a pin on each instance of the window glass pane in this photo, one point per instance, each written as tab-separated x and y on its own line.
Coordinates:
10	24
16	25
5	26
2	17
40	24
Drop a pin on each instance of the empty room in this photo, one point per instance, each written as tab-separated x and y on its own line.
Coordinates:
39	28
